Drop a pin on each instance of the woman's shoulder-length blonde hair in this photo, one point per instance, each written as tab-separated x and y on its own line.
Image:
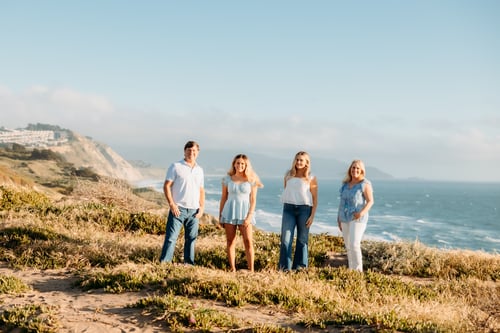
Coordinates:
250	174
292	172
348	176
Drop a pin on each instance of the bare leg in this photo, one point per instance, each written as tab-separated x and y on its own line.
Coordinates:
231	245
247	234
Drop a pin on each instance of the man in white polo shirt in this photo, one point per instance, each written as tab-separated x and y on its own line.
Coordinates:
185	193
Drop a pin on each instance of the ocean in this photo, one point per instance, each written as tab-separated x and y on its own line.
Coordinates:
447	215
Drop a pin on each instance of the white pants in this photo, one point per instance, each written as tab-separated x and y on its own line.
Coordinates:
353	232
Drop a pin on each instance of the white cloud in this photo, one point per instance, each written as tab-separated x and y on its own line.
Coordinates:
59	106
475	144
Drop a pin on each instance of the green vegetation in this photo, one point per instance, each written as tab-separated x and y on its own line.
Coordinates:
19	152
22	164
44	127
110	237
12	285
179	313
30	318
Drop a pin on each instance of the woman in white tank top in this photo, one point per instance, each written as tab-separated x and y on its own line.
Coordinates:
300	200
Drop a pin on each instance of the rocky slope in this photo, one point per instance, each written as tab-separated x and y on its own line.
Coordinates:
87	153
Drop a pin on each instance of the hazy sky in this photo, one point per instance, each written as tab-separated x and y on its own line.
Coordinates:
410	87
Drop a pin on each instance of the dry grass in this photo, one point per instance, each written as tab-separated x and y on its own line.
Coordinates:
114	192
407	286
7	176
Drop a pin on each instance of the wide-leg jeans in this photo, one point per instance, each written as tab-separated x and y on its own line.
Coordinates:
294	216
174	225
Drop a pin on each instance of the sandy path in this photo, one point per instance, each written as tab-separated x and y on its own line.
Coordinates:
77	310
96	311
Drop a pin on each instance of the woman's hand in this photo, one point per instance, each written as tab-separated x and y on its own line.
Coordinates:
247	221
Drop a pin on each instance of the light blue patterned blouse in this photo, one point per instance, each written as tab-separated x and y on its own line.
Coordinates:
352	200
238	201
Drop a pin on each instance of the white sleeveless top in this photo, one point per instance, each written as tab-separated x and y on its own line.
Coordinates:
297	191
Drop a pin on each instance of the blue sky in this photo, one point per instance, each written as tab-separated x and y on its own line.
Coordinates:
410	87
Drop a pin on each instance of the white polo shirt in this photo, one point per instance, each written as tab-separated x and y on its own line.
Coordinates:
186	185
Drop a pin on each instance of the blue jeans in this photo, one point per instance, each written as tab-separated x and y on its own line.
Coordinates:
294	216
174	224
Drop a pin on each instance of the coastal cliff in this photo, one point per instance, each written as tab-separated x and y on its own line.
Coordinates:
80	151
85	152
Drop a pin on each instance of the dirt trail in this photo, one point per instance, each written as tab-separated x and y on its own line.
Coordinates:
96	311
77	310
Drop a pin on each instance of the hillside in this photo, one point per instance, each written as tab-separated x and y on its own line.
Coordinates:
81	151
79	253
84	152
47	172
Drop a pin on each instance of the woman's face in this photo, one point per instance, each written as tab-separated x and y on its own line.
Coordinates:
240	165
356	171
300	162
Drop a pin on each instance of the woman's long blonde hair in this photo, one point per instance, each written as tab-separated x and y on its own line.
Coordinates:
293	171
348	176
250	174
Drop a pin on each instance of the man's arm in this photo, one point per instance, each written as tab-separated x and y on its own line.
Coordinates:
167	190
202	203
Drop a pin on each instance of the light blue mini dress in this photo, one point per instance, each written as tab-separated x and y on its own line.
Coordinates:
238	201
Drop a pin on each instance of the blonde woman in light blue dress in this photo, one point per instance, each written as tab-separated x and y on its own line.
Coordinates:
237	208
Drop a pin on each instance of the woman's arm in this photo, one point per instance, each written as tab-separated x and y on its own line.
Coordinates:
341	206
368	193
313	187
253	201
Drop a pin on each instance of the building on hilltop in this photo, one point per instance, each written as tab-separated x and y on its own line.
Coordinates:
32	139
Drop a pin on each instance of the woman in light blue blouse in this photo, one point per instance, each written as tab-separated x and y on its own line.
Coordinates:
356	199
237	207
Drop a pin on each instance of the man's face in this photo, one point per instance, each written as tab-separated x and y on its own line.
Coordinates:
190	154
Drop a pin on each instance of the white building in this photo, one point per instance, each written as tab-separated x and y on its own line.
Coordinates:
32	139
